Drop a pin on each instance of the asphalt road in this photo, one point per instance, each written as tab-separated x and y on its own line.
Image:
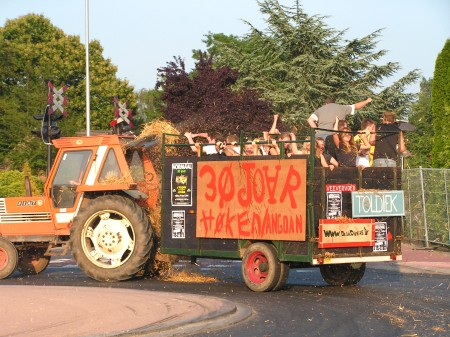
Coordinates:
384	303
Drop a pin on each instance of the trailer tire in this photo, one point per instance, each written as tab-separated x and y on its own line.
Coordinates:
111	239
261	268
284	274
8	258
32	260
343	274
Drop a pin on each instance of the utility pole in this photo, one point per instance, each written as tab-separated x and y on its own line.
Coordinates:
88	97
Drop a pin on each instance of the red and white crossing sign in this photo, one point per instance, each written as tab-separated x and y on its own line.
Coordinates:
56	100
121	113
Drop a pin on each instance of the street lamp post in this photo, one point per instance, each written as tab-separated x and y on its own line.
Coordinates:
88	98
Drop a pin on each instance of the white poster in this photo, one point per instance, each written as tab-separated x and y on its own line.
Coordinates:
381	237
178	225
334	205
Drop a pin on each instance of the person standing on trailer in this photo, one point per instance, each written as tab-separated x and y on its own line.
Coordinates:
388	141
325	116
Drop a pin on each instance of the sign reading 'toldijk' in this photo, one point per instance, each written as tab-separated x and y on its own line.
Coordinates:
376	204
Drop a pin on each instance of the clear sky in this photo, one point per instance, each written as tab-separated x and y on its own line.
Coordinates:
140	36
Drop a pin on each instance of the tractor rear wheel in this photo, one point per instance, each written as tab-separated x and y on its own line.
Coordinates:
32	260
8	258
111	239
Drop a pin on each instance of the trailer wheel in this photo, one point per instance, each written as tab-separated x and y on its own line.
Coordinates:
284	274
32	260
111	238
261	268
343	274
8	258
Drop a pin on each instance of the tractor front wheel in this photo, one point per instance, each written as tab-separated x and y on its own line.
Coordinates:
8	258
111	239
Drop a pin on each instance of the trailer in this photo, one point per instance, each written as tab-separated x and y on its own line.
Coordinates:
277	212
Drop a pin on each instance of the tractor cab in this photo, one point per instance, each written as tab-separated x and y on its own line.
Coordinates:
87	166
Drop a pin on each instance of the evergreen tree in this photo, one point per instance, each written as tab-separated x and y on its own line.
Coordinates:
420	142
298	61
441	108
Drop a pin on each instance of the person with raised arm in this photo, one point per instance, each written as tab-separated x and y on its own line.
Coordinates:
325	116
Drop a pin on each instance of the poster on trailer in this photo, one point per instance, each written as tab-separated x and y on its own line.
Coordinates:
334	205
178	225
181	184
381	237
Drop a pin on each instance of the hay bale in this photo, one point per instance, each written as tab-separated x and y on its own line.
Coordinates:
156	129
155	218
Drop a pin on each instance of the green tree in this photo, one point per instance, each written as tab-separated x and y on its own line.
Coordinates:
148	106
32	52
12	183
298	61
420	142
441	108
36	184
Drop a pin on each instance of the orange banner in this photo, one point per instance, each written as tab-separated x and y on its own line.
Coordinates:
261	199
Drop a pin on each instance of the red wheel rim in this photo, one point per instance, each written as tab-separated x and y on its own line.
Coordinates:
257	267
3	259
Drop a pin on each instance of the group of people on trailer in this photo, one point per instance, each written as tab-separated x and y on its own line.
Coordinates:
335	144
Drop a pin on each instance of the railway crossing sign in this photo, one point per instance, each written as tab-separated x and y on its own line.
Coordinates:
56	100
121	114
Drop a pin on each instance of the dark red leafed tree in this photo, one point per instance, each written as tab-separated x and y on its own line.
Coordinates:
204	101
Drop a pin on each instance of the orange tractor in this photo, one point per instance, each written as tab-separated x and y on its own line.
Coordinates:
94	200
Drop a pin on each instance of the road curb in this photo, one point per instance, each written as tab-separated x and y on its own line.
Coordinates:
417	268
240	314
88	311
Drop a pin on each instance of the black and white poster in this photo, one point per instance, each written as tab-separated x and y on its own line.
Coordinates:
334	205
181	183
381	237
178	225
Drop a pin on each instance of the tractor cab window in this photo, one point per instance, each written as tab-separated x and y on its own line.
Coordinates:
134	161
69	175
111	170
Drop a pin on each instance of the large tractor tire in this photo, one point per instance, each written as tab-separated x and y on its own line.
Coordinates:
111	238
343	274
8	258
261	268
32	260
